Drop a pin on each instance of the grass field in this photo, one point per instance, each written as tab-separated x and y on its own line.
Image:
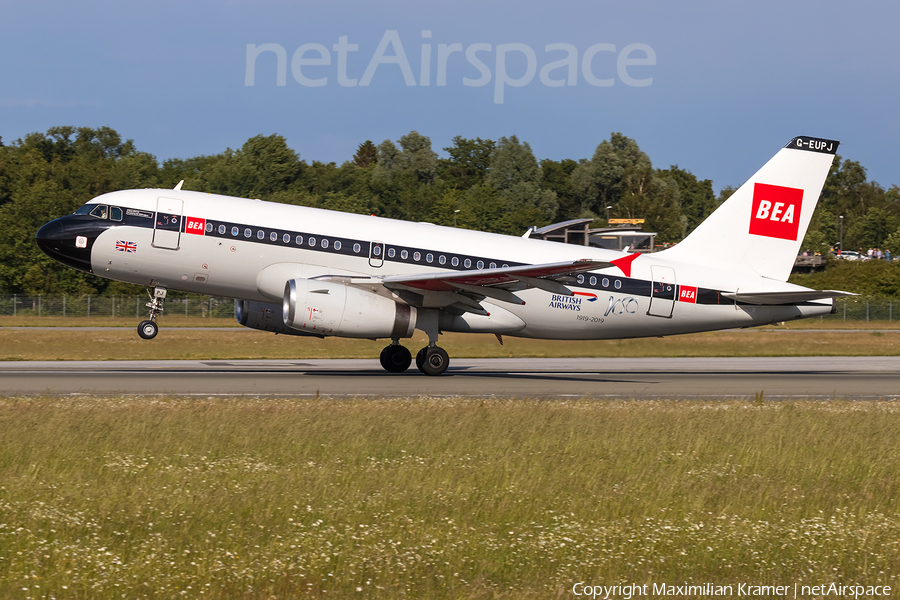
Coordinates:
175	343
440	498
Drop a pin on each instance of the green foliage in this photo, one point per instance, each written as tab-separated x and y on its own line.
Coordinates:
468	163
696	197
516	176
495	186
869	278
366	155
621	176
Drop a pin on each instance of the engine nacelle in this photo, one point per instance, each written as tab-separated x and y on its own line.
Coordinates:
326	308
265	317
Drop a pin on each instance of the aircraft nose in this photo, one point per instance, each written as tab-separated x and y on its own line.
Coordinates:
68	240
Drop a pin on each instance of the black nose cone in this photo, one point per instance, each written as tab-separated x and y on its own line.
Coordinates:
69	240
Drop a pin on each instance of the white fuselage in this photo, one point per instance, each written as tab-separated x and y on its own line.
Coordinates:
220	245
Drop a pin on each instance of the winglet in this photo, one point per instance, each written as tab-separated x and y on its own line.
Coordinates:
624	263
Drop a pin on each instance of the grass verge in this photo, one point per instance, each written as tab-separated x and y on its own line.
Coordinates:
440	498
180	344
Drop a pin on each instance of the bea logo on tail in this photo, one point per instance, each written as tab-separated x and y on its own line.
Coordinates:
776	211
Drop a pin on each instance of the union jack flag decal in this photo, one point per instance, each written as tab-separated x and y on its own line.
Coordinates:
123	246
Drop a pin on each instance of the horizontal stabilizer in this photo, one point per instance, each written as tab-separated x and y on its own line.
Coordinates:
791	297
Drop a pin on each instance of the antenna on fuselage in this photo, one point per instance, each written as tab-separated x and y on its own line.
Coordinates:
180	183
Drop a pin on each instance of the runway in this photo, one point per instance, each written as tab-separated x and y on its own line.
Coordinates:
778	377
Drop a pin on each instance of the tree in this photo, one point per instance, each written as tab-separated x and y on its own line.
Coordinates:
696	197
366	154
414	157
468	163
516	176
264	165
620	175
557	177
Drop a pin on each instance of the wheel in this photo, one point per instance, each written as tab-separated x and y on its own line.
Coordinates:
420	358
436	361
148	330
395	359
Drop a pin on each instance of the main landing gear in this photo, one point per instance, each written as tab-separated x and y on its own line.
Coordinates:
431	360
148	329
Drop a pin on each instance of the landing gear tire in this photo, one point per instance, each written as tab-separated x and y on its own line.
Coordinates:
436	360
420	359
395	358
148	330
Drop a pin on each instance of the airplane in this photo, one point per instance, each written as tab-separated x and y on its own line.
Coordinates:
310	272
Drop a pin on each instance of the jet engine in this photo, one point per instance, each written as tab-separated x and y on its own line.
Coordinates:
265	317
326	308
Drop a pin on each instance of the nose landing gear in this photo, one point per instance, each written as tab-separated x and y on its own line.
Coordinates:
148	328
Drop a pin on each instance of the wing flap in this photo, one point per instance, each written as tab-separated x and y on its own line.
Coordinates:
444	282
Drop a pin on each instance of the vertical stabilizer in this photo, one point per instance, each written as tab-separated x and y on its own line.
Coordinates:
762	225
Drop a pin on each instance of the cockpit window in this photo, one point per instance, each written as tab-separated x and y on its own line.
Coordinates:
85	210
100	211
115	213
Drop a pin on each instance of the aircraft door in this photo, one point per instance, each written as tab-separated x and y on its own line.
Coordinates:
167	228
662	296
376	254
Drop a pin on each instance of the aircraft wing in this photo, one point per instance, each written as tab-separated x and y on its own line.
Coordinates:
790	297
465	289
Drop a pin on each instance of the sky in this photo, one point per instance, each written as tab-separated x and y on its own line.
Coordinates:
713	87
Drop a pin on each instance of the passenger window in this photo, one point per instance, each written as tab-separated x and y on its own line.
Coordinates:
115	213
99	211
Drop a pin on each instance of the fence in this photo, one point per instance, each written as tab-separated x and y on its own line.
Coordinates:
114	306
848	309
863	309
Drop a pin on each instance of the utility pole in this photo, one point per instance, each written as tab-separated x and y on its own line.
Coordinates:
841	249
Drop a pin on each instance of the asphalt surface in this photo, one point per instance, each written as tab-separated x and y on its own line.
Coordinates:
805	377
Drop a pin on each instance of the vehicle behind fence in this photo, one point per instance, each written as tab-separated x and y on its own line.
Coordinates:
857	308
114	306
